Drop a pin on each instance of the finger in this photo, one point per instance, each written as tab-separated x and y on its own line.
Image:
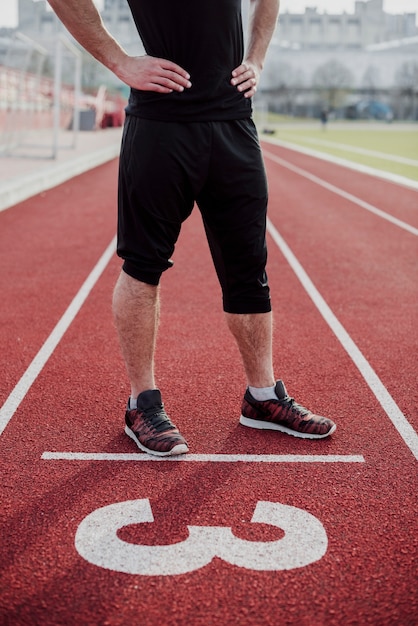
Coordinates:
250	93
157	88
174	68
245	77
239	70
167	83
247	84
158	84
177	79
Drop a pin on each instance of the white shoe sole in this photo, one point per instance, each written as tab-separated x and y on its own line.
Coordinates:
246	421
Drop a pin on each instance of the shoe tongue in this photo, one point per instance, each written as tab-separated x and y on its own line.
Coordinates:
149	399
280	390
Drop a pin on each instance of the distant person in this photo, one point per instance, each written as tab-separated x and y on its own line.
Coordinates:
324	118
189	137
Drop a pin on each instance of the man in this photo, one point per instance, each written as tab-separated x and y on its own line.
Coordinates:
188	138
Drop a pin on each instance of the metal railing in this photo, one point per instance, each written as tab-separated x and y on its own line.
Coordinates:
36	105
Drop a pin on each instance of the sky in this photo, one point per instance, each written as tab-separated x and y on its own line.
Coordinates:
8	10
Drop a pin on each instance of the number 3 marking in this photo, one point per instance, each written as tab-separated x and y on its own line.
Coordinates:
96	540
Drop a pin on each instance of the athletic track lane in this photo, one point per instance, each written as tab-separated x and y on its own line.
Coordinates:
367	508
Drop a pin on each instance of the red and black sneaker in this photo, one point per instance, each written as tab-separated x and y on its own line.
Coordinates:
150	427
284	415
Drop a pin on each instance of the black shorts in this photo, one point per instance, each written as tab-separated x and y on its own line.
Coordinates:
165	167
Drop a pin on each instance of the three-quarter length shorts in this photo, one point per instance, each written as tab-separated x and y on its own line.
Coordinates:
167	167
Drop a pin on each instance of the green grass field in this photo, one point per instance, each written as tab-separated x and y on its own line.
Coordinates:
389	147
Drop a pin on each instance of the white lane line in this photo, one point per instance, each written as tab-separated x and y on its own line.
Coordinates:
341	193
397	179
384	398
204	458
384	156
15	398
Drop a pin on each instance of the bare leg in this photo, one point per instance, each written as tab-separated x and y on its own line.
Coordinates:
253	334
136	308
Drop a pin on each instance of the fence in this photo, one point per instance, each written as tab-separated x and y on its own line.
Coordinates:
35	102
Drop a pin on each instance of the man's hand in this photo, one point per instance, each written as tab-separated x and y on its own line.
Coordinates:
245	78
262	22
152	74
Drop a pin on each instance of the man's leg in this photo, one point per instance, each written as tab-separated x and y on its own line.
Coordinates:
253	334
136	309
266	404
235	227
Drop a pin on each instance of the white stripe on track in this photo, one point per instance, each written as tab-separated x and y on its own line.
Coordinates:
384	156
384	398
351	165
204	458
17	395
341	193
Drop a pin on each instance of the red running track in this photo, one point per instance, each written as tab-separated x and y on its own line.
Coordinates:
334	534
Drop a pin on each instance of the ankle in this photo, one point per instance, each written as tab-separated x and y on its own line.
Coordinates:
263	393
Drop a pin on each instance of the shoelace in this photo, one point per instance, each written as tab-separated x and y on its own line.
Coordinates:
294	407
157	419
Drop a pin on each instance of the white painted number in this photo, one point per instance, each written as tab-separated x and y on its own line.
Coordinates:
96	540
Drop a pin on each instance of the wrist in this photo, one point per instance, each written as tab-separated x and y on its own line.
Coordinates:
118	62
256	62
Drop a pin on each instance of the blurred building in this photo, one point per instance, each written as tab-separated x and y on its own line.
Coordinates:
337	60
372	50
118	19
36	20
369	24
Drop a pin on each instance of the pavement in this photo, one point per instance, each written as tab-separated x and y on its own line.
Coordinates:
31	169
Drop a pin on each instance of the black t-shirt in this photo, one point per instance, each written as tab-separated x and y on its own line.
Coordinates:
205	38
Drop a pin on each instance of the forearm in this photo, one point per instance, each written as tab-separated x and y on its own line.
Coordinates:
84	22
263	21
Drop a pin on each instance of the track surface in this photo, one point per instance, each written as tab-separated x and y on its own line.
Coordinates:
344	553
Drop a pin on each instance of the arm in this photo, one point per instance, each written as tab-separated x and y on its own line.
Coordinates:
84	22
263	20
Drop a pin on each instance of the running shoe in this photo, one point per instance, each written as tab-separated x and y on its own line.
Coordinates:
284	415
150	427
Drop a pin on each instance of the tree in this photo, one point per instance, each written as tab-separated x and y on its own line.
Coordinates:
284	83
333	81
407	82
371	80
